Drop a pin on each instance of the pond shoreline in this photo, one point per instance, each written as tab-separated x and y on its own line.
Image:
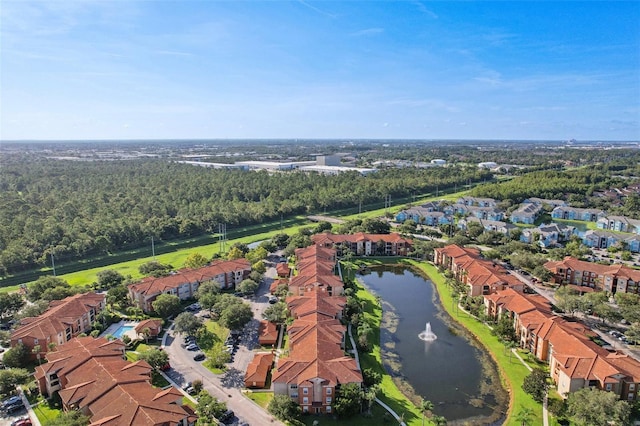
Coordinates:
490	386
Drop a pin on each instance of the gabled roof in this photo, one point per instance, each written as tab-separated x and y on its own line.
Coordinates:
615	270
259	367
60	315
151	323
115	392
156	285
325	238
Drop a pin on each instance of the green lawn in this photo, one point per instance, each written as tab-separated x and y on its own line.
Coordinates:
378	416
389	394
45	413
260	398
512	371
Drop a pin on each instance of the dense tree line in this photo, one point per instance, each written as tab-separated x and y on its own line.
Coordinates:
81	208
572	185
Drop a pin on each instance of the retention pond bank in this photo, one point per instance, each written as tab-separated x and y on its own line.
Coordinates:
451	371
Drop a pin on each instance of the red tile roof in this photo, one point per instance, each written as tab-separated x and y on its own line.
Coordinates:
267	333
153	285
115	392
258	369
60	315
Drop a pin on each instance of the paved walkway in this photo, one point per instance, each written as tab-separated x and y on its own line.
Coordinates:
385	406
545	412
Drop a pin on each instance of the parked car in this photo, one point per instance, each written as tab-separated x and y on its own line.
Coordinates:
273	299
10	401
166	367
22	422
193	347
199	357
14	408
227	416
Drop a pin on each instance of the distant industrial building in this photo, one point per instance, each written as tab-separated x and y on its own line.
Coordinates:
274	165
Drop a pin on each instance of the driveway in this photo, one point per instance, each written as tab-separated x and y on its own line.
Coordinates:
226	387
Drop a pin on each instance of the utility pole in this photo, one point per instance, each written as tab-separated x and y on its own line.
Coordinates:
53	264
222	231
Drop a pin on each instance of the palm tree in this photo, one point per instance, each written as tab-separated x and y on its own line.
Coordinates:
425	405
524	415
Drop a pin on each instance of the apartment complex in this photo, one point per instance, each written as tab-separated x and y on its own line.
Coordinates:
316	365
361	244
64	320
575	361
92	375
482	276
185	282
610	278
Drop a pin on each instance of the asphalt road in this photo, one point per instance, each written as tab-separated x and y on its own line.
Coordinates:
226	387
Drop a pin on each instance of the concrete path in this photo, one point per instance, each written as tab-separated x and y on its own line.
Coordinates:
545	412
385	406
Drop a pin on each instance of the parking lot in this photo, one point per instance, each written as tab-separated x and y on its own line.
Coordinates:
227	387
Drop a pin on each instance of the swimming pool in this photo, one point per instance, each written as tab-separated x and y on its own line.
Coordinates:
121	330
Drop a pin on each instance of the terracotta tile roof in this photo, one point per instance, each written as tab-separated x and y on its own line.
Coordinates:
300	306
114	392
275	283
267	332
325	238
153	285
60	315
258	368
152	323
282	269
316	334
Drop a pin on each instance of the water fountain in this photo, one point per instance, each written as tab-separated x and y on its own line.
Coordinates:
427	335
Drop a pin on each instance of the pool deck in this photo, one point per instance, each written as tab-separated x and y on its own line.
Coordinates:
113	327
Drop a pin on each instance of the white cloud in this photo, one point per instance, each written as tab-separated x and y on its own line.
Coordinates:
368	32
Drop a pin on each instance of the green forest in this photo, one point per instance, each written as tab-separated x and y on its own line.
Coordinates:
577	186
83	208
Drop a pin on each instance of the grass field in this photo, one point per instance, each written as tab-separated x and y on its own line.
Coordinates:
44	412
260	398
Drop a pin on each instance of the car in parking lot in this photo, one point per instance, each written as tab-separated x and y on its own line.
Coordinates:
227	417
22	422
273	299
199	357
10	401
193	347
14	408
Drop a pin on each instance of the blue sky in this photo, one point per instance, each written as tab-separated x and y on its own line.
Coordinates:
326	69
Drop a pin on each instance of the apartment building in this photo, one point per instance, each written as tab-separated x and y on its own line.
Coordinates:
185	282
91	375
361	244
63	321
610	278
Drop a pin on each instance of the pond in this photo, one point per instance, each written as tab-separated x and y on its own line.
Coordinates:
451	371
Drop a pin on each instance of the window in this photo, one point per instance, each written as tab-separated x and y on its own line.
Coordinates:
630	396
608	386
329	409
305	391
294	395
328	400
305	400
294	386
632	386
35	341
329	390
